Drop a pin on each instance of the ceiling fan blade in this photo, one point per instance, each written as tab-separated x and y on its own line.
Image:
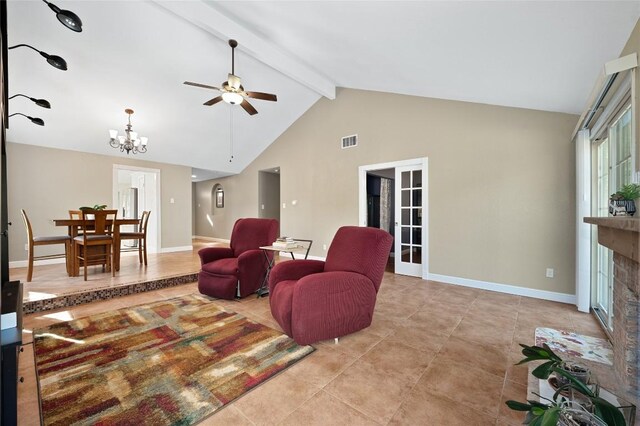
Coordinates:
248	107
189	83
213	101
262	96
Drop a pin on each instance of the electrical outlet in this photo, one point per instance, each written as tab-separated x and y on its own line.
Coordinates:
550	272
284	205
172	201
26	247
324	247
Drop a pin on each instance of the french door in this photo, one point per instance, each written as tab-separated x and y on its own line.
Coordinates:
613	167
408	214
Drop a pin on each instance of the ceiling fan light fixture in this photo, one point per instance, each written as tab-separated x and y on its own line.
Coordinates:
66	17
232	98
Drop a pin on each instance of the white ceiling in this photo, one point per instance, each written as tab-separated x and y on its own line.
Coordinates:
529	54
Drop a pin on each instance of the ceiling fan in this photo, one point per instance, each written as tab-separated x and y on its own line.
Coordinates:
232	91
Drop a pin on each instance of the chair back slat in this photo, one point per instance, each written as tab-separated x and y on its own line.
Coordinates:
98	221
27	225
144	220
75	214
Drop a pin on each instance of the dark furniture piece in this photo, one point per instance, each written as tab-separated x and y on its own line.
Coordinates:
33	241
140	235
314	300
74	227
95	245
239	270
11	346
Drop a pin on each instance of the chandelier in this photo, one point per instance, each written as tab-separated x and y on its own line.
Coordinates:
131	142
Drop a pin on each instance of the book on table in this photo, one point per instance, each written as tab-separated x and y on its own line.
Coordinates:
285	243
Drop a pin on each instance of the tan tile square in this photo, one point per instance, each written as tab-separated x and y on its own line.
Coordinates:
273	401
399	359
322	366
485	331
423	338
516	392
228	415
469	385
492	359
373	392
355	344
424	407
324	409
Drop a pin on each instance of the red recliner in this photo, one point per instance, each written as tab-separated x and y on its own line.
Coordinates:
240	269
314	300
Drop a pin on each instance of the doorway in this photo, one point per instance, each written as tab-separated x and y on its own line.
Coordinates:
136	189
269	193
380	205
410	210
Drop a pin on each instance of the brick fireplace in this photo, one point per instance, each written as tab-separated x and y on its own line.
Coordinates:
622	236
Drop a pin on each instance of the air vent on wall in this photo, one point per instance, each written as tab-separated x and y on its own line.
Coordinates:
349	141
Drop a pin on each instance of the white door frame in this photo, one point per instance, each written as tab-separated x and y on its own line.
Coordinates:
157	213
362	200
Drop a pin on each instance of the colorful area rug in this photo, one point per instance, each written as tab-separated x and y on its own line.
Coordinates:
577	345
167	363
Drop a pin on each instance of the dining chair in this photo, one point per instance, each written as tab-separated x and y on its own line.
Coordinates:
140	235
95	247
44	241
77	215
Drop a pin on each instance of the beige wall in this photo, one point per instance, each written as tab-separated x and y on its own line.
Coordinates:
501	182
48	182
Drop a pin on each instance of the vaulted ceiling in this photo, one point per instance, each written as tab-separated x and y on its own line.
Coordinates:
135	54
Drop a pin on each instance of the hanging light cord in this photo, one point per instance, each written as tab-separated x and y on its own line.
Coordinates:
231	133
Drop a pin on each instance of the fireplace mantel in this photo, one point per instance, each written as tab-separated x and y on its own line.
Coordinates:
620	234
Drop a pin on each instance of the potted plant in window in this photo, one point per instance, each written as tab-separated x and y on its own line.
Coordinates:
622	203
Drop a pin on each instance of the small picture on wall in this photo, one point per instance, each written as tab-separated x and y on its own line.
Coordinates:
219	198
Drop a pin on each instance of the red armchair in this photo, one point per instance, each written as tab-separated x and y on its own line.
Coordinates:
240	269
314	300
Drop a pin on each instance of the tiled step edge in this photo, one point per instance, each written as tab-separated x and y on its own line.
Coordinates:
105	293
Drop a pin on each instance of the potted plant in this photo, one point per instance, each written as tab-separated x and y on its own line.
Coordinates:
577	389
623	202
95	207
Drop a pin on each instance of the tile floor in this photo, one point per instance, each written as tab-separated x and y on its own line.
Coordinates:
435	354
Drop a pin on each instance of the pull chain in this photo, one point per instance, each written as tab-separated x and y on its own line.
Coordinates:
231	133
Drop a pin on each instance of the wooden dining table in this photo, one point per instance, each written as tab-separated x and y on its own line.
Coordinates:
73	225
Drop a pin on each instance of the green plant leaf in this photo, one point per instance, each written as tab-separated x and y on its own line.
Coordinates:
550	417
575	383
543	371
518	406
537	411
608	412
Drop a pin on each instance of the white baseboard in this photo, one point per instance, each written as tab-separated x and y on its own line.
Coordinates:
219	240
300	256
506	288
174	249
25	263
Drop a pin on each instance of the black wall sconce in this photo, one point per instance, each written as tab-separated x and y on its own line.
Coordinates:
66	17
54	60
40	102
34	120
